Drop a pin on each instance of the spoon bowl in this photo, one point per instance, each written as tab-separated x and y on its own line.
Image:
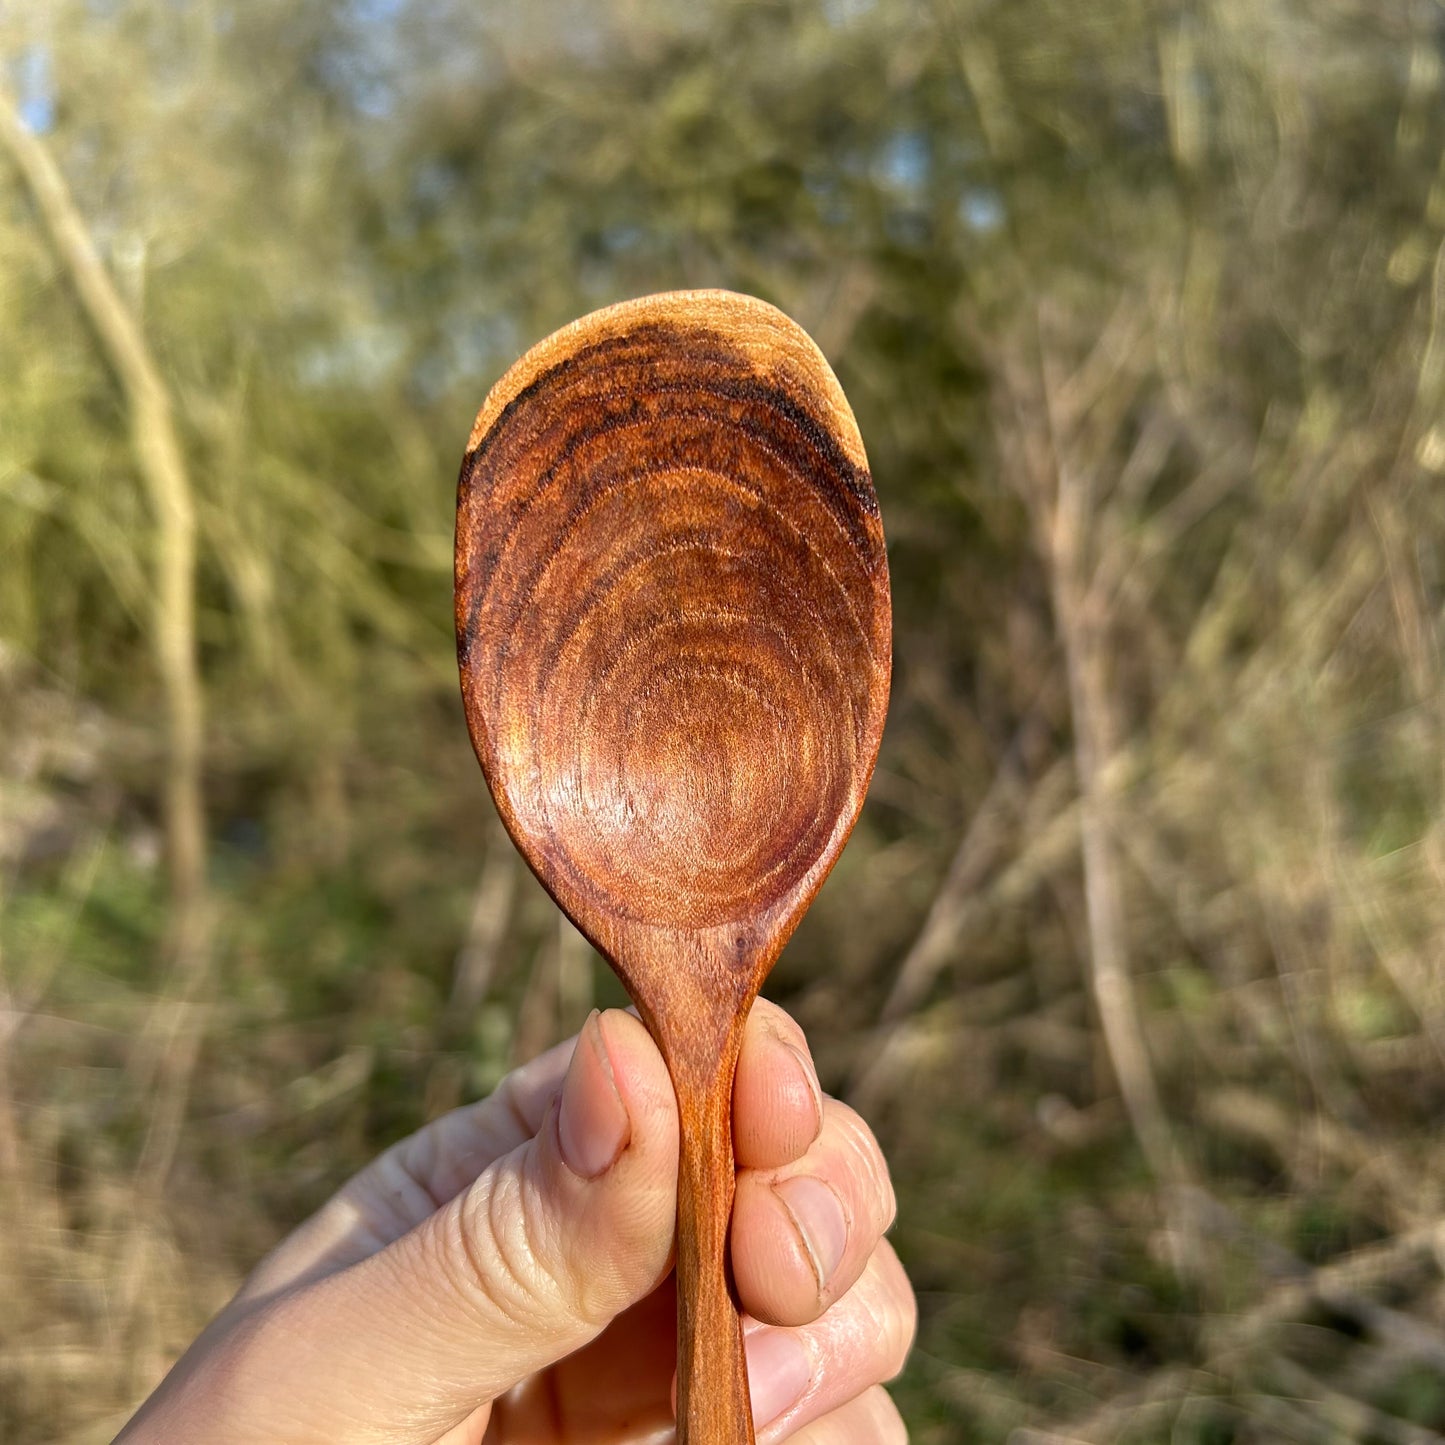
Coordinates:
673	628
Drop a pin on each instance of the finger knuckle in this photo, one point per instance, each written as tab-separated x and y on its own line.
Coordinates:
894	1313
490	1256
863	1158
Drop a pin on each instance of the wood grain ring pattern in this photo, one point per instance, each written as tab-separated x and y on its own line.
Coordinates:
669	577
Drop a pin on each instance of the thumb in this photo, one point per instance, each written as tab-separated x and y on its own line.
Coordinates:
522	1268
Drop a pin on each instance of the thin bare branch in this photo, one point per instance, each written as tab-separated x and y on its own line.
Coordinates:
161	460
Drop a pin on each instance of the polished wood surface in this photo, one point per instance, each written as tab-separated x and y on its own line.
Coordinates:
673	627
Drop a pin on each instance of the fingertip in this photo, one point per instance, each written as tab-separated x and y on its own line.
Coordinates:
802	1234
594	1124
777	1100
639	1072
775	1275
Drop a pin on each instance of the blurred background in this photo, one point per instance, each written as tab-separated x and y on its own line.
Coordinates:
1133	961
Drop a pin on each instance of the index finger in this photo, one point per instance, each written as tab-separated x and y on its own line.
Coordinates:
777	1102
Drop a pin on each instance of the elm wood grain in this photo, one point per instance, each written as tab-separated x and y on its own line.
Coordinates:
673	627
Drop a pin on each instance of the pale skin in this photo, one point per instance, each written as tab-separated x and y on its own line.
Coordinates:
502	1276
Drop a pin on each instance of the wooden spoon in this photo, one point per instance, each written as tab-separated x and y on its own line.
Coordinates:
673	626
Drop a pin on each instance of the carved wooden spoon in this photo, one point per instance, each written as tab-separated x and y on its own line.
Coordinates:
673	625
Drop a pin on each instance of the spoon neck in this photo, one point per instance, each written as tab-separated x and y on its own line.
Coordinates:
701	1046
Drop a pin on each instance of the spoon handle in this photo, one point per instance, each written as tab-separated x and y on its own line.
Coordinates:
712	1380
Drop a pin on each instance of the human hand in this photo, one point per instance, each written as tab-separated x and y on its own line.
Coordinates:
503	1274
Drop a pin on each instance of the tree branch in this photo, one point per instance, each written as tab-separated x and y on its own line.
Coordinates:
163	471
